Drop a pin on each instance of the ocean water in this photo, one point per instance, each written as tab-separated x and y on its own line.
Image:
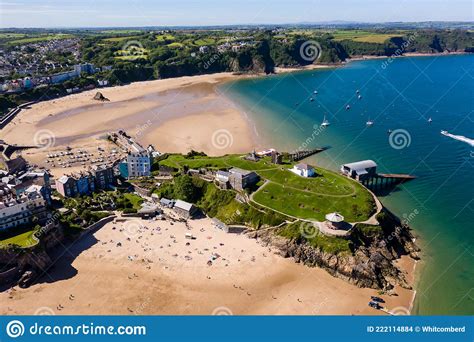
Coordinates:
400	97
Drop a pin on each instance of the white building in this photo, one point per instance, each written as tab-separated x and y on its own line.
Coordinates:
20	211
303	170
138	164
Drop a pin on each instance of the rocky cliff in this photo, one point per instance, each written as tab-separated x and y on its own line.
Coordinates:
23	266
370	262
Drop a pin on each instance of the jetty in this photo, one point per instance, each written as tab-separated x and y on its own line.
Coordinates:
299	155
365	172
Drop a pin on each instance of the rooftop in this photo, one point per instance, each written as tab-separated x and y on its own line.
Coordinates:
303	166
363	164
183	205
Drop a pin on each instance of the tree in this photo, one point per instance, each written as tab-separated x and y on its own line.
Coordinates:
184	188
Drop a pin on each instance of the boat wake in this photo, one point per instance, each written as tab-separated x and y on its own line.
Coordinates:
459	137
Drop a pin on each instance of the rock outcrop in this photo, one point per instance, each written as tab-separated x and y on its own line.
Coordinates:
370	263
100	97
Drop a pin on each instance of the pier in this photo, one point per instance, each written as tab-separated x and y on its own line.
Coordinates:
382	180
299	155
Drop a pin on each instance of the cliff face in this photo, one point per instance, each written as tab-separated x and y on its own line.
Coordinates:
28	264
370	263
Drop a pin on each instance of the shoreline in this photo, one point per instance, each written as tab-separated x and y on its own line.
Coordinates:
155	272
189	83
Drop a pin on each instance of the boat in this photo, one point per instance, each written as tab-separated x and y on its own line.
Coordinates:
444	132
359	97
311	99
357	91
315	92
348	107
369	122
325	122
389	131
430	120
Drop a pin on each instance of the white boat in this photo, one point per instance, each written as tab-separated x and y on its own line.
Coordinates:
359	97
325	122
369	122
315	92
348	107
444	132
430	120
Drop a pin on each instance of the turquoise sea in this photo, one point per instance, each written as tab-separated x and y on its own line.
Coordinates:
399	96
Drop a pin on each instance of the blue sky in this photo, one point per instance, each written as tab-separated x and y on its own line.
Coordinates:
74	13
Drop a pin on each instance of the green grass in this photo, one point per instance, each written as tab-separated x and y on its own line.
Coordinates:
312	206
120	31
175	45
363	36
8	35
177	161
204	41
329	244
325	182
24	240
308	198
134	199
137	53
119	39
40	38
164	37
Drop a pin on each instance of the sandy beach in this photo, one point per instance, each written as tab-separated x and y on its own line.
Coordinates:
149	267
174	115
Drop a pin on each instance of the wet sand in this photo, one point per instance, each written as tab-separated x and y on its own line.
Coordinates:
174	115
156	270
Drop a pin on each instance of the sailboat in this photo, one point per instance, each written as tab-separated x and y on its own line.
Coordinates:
369	122
430	120
325	122
315	92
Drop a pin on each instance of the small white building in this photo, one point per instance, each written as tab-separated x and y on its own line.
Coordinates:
303	170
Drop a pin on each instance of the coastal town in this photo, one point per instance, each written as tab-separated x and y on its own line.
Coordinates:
139	191
125	161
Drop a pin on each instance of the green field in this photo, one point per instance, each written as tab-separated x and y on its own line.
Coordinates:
134	53
165	37
287	193
40	38
175	45
134	199
24	240
120	39
363	36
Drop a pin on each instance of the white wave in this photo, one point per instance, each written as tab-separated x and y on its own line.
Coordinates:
459	137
